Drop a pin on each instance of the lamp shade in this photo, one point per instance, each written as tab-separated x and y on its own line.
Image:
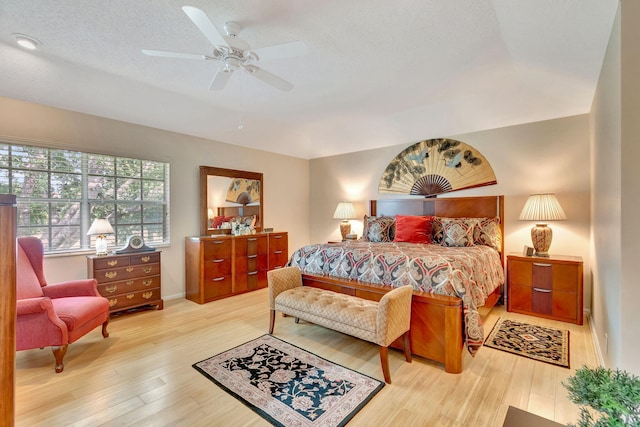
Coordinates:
542	207
344	210
100	226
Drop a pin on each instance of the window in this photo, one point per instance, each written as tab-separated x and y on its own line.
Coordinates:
60	192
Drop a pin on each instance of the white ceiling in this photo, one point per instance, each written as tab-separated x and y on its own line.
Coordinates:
377	72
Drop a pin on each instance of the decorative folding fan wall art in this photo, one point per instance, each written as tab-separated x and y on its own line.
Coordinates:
243	191
436	166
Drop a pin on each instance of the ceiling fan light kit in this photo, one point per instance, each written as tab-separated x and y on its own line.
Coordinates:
233	52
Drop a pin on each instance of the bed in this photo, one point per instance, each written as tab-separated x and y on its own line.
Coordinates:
450	283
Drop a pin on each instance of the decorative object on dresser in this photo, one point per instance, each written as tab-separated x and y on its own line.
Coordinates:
224	265
436	166
99	228
129	280
549	287
134	244
542	208
345	212
289	386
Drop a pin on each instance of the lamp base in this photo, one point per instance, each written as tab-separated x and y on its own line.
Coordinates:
541	237
101	245
345	228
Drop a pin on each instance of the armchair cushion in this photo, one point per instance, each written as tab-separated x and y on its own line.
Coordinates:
29	282
80	312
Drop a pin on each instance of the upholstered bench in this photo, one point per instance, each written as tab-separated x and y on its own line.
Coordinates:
380	322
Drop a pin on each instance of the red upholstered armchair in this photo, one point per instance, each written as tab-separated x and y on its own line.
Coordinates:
53	315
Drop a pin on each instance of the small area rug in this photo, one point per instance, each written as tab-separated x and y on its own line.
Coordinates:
289	386
535	342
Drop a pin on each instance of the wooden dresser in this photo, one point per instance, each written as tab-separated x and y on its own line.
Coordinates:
224	265
546	287
127	280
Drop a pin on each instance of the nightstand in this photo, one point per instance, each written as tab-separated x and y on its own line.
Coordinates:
548	287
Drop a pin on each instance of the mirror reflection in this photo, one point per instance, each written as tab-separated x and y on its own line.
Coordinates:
230	198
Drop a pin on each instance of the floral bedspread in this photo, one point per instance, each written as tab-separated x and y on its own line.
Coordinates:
470	273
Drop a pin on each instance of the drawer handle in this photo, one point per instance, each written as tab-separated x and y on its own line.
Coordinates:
277	252
113	302
147	295
147	282
111	289
277	237
218	260
253	239
251	256
110	274
129	282
546	291
252	273
130	296
145	258
541	265
277	267
218	242
112	262
147	270
218	279
129	269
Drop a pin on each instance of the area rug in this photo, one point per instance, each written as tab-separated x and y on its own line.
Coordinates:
289	386
535	342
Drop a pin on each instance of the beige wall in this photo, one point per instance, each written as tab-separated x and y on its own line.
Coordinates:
549	156
616	199
286	183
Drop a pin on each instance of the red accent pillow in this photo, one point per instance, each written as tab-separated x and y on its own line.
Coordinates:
218	220
413	229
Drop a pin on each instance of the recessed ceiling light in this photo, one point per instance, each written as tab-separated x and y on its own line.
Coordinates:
26	41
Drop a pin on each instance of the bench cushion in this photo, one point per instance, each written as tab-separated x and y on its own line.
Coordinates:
343	313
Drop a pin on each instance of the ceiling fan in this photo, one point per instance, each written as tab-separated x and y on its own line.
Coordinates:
234	53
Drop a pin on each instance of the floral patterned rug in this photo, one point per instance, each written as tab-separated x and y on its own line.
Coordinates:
535	342
289	386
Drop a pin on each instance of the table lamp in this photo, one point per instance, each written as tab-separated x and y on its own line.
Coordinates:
345	212
99	228
542	208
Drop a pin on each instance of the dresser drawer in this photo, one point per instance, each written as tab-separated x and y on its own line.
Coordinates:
217	268
127	286
216	249
127	300
145	258
217	287
111	262
251	246
124	273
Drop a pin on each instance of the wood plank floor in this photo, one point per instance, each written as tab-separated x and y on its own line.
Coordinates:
142	376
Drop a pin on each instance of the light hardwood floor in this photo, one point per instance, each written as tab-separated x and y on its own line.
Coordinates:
142	374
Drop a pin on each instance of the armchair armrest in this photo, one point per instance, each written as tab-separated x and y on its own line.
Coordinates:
73	288
38	325
33	305
394	315
281	280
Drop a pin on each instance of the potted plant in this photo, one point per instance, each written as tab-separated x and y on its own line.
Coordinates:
615	395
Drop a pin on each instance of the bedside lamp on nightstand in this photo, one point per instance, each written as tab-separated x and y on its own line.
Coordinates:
345	212
542	208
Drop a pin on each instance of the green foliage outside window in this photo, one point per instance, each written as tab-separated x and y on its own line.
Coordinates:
60	192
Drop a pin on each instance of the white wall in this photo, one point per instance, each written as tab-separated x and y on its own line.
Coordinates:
548	156
286	179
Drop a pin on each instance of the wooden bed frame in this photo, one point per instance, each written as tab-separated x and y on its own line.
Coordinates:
436	321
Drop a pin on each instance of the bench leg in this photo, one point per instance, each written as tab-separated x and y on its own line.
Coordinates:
406	346
384	361
272	320
297	320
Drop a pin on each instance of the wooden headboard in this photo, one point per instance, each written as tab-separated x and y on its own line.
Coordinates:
452	207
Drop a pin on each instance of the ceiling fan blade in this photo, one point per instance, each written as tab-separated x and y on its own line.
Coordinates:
221	78
204	24
168	54
269	78
281	51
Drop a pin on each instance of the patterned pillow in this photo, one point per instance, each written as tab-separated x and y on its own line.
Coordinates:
249	221
379	229
458	232
413	229
488	233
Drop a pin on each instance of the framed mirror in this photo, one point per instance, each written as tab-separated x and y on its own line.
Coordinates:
226	194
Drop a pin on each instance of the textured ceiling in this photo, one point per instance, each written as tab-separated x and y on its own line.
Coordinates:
377	72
